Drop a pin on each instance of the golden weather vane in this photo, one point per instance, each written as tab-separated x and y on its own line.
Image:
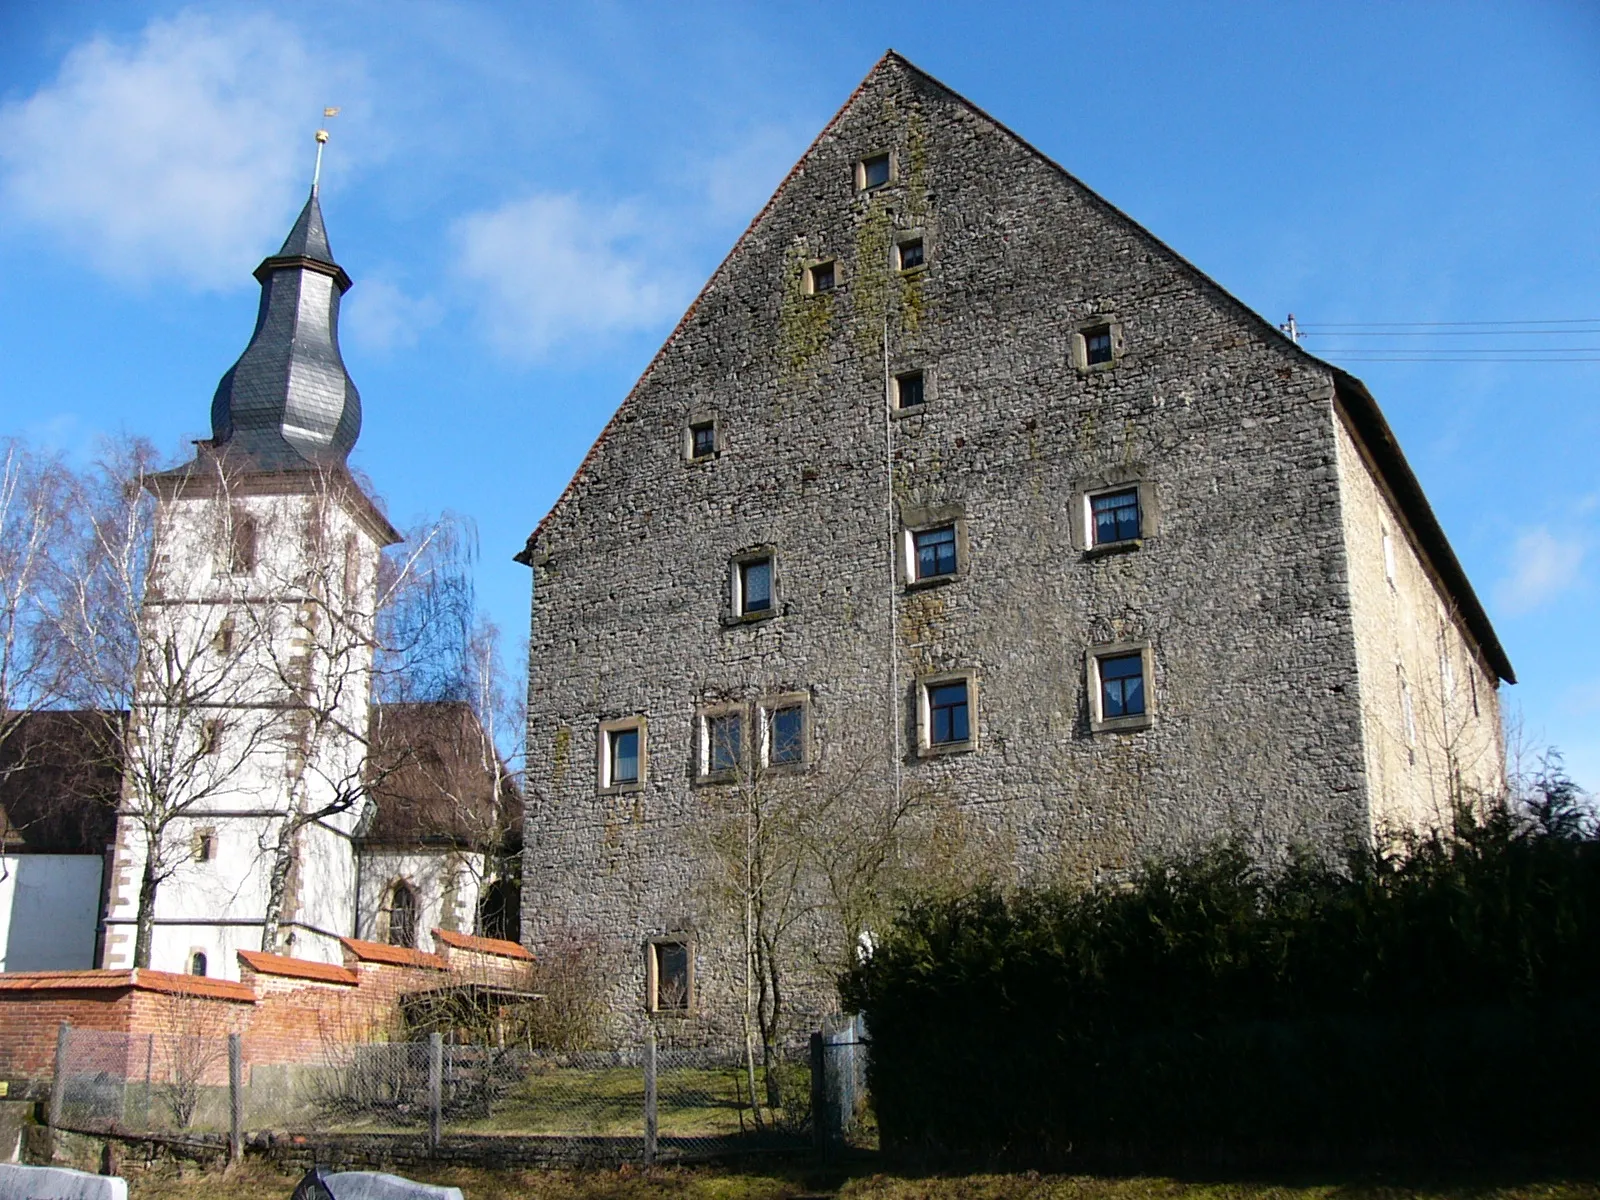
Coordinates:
322	140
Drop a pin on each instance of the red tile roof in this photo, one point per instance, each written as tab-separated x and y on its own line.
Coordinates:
140	980
483	945
296	968
399	956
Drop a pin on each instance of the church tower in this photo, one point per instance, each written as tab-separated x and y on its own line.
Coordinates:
244	788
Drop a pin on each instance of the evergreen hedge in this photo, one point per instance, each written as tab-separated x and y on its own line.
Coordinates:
1439	999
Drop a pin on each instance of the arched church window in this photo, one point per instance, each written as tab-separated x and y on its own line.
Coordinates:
197	963
403	916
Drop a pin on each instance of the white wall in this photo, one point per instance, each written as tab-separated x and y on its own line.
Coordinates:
49	904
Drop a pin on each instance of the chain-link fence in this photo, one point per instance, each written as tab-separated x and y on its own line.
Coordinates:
142	1082
635	1103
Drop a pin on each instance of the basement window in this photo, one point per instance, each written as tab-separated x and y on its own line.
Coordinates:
669	969
820	277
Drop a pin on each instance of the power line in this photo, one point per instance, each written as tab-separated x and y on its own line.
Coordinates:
1444	324
1311	331
1416	359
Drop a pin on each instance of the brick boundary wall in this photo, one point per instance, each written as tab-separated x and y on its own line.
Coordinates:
288	1010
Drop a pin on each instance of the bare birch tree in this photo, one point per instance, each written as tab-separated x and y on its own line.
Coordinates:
35	517
159	672
358	634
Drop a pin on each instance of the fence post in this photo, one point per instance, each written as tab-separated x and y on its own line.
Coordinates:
235	1099
650	1097
58	1081
149	1070
435	1088
819	1096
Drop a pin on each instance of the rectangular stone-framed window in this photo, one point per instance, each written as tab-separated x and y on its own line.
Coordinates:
669	974
753	584
933	545
622	758
1097	344
222	641
1121	685
211	737
722	742
947	713
911	254
909	391
702	439
785	723
1115	513
875	171
822	276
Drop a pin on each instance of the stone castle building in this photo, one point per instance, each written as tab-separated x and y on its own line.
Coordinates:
954	479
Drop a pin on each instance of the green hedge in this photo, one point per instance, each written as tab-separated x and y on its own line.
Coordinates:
1443	999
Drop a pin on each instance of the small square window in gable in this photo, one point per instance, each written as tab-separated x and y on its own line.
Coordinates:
910	390
821	277
874	171
1097	346
700	439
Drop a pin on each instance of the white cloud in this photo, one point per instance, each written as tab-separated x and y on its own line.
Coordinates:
178	153
1542	567
377	315
550	270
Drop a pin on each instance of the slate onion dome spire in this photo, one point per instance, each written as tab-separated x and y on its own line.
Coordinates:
289	401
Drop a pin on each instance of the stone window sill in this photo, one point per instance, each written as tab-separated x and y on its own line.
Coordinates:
932	581
942	748
1122	724
1105	549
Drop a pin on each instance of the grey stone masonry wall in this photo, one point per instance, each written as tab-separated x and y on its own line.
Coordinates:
1238	587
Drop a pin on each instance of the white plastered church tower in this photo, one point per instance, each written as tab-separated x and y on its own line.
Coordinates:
252	708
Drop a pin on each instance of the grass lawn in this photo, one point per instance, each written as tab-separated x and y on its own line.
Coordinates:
256	1182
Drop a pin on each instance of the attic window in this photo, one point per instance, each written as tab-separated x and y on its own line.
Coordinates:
820	277
702	439
1097	345
873	172
910	390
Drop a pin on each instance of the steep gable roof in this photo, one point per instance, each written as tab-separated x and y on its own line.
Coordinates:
1350	393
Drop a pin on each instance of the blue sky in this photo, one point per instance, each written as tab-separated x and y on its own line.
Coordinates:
529	195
